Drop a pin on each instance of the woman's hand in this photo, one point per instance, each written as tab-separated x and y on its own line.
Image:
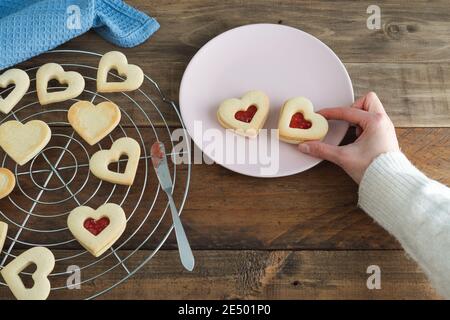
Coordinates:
375	132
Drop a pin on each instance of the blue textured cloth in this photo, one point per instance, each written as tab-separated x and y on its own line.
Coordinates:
30	27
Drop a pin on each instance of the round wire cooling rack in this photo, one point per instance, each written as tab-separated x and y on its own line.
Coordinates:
58	179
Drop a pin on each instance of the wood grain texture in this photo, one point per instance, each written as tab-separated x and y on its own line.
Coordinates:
312	210
406	62
254	275
412	31
414	95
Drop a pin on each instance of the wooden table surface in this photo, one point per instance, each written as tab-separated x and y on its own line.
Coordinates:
298	237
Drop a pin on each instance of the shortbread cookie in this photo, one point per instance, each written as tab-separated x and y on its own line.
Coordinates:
94	122
7	182
50	71
3	233
24	141
246	116
21	81
134	77
299	123
44	261
101	159
97	230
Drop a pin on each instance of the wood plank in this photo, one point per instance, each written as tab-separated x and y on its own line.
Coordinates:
252	275
412	31
313	210
414	95
394	61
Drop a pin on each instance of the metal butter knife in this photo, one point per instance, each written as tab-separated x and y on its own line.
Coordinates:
159	161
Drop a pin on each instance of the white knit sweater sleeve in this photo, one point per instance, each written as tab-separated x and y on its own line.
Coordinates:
413	208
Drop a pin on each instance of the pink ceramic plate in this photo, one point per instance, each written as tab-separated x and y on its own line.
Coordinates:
282	61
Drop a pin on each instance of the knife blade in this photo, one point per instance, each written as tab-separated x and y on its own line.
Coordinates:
159	161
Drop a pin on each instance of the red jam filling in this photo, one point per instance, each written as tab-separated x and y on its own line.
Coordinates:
247	115
96	226
298	121
157	153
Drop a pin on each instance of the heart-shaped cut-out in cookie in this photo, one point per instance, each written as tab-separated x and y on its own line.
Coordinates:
24	141
101	159
7	182
53	71
241	116
134	76
94	122
21	82
3	232
98	243
299	123
44	261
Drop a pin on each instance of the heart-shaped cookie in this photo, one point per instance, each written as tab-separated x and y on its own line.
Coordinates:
53	71
246	116
23	141
21	81
3	232
94	122
97	230
7	182
299	123
101	159
118	61
44	261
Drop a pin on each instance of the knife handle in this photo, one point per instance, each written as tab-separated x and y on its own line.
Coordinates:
186	256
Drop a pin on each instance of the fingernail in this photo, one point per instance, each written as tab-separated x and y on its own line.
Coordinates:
303	148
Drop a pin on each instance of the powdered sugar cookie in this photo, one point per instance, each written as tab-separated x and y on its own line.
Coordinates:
246	116
50	71
299	123
21	80
94	122
44	261
97	230
101	159
7	182
134	77
23	141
